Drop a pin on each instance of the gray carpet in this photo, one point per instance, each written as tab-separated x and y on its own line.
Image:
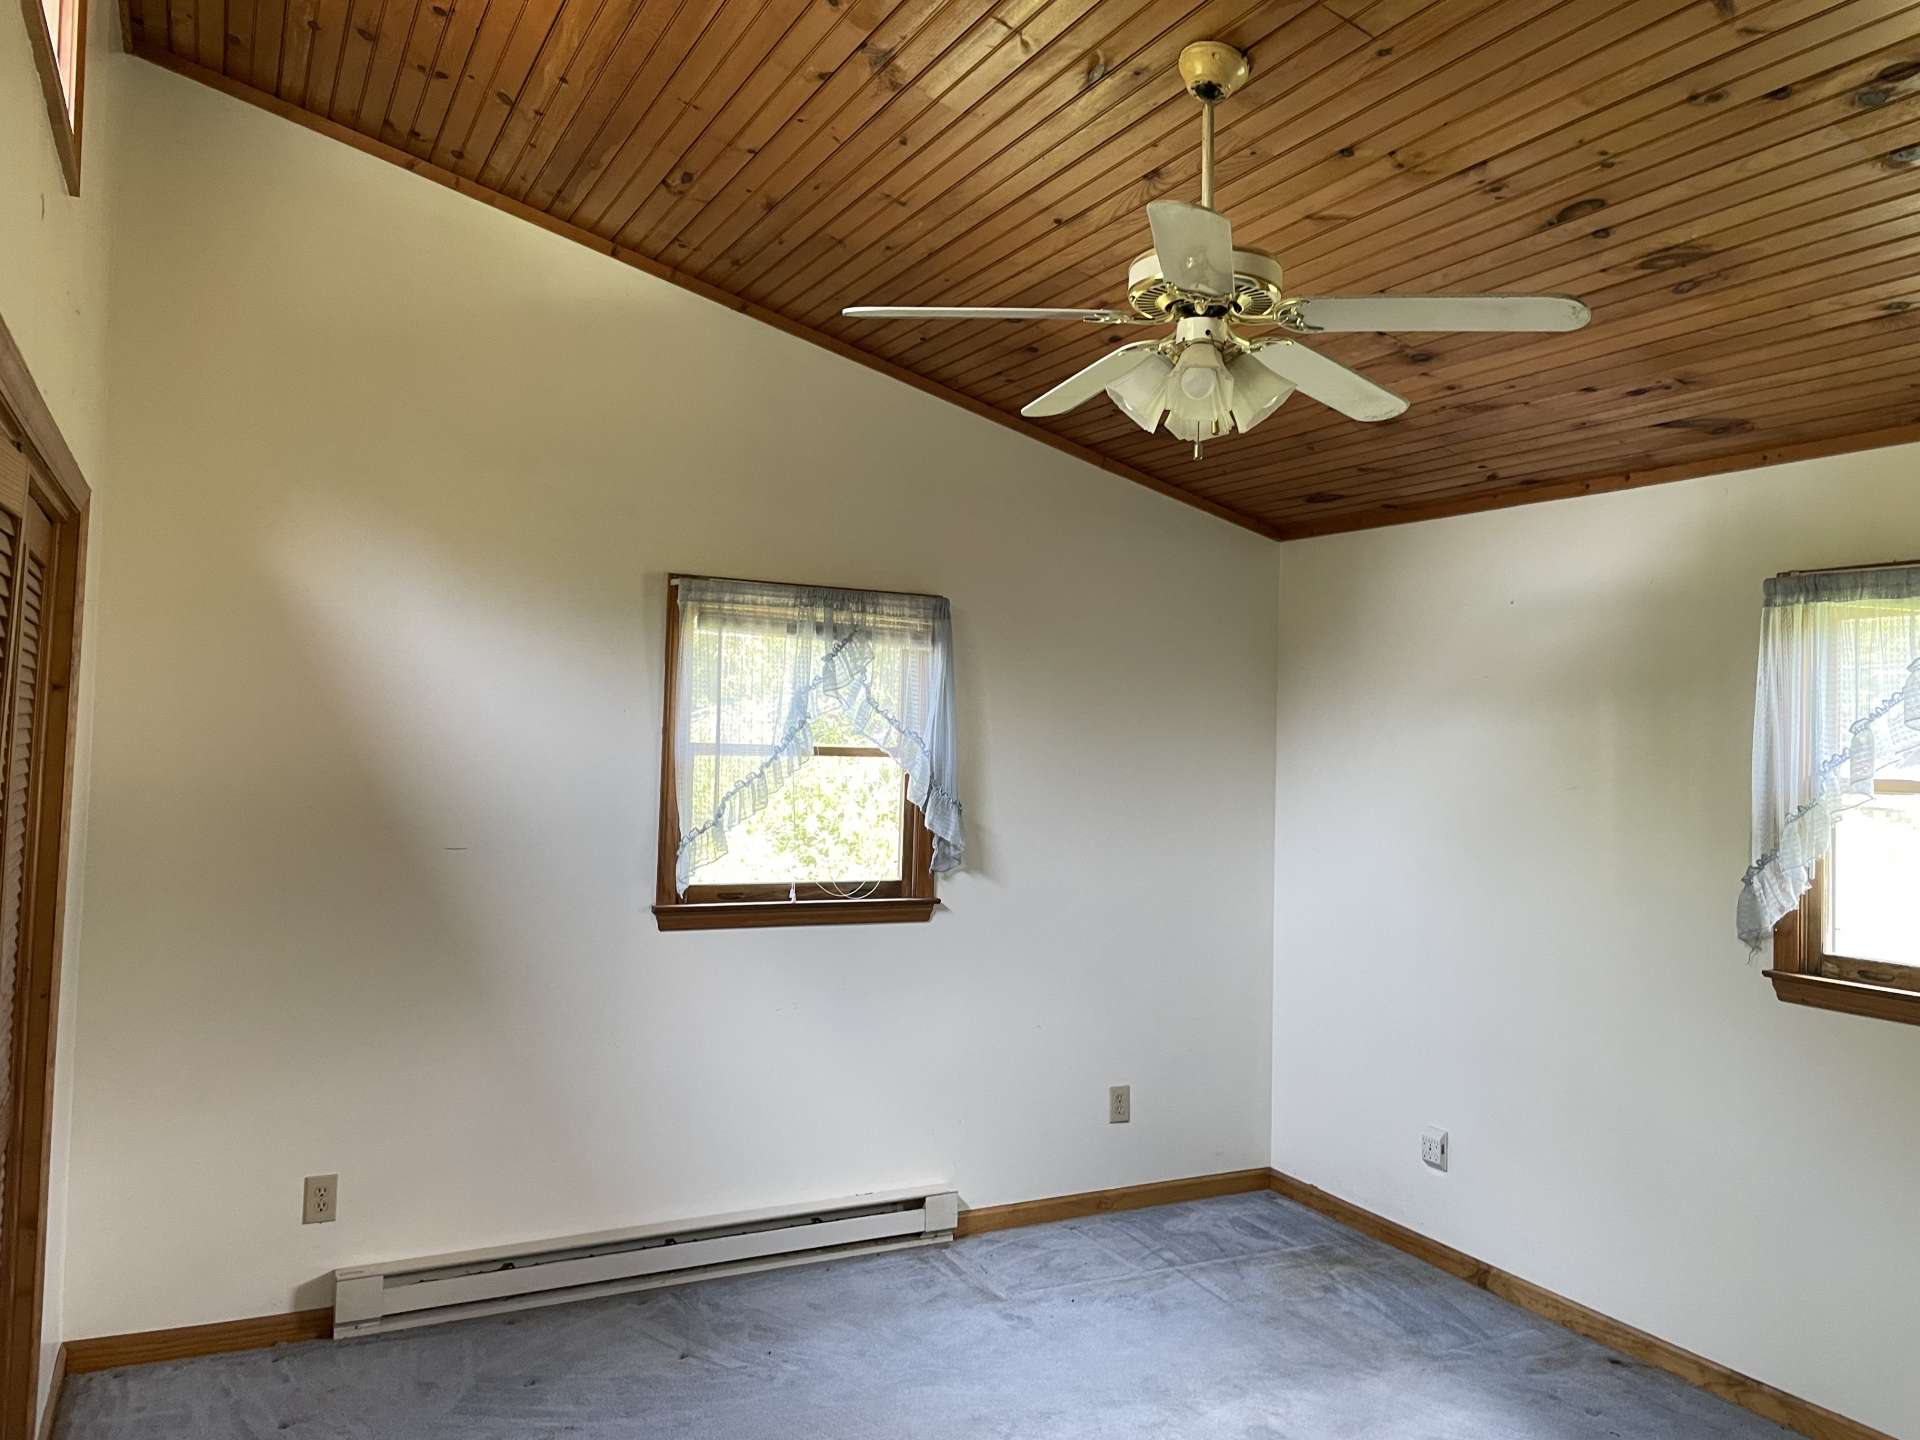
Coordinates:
1246	1317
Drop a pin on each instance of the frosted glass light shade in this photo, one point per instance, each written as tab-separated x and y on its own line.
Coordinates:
1257	392
1138	392
1202	396
1199	395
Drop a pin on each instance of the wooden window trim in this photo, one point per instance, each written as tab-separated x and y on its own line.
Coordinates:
910	900
1804	973
49	57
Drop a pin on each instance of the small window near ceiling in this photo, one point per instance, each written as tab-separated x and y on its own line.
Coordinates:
1835	873
58	30
808	755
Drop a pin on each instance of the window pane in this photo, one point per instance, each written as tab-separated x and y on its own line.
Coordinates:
837	820
60	16
832	729
1874	900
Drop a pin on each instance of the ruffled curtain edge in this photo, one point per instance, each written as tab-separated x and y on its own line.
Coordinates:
1777	881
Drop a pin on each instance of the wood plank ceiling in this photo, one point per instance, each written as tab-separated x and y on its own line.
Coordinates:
1732	185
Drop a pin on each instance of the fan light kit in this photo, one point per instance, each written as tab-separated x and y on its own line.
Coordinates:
1206	380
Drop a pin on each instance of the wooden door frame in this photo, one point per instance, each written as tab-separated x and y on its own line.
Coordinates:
55	481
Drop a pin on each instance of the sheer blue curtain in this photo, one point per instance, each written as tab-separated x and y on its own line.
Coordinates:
1836	702
760	664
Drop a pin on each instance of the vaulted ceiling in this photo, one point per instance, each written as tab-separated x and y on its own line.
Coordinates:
1732	185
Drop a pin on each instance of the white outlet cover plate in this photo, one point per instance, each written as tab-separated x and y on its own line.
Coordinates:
1433	1147
320	1199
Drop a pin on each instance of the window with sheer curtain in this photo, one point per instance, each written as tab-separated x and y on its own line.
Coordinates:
1836	791
808	769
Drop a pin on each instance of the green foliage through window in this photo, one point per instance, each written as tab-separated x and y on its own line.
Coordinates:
837	819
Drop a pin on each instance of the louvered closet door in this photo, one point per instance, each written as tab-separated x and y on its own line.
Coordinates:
26	541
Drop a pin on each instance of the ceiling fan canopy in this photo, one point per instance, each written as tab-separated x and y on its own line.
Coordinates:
1206	380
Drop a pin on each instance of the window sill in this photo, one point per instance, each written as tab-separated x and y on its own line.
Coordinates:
1849	997
767	914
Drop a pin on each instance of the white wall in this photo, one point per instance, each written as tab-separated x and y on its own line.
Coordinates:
1512	815
377	750
53	246
53	296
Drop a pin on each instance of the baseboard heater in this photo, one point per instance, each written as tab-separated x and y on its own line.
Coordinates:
434	1289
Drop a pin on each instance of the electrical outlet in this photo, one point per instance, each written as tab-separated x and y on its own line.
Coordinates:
322	1199
1119	1104
1433	1147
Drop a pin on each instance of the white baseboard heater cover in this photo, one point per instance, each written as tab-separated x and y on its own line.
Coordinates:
433	1289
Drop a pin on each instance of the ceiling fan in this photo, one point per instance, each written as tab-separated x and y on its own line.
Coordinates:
1205	380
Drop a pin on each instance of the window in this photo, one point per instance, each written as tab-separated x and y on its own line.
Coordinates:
58	30
807	757
1854	942
1837	791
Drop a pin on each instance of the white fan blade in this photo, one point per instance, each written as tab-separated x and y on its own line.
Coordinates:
1330	382
985	312
1440	312
1194	246
1083	385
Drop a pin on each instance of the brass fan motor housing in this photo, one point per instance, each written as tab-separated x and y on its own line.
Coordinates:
1257	297
1212	70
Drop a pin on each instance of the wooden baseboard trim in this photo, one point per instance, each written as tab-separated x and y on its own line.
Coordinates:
106	1352
1102	1202
1801	1416
44	1431
79	1357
